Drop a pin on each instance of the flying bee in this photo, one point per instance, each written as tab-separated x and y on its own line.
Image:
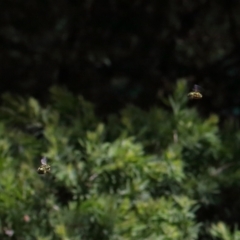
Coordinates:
195	94
44	168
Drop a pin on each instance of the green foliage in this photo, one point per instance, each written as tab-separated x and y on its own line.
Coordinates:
139	175
221	231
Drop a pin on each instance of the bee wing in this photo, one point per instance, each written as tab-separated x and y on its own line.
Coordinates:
44	161
197	88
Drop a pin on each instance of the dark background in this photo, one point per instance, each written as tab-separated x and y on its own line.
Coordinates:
115	52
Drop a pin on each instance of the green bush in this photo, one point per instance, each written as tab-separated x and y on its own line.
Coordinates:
161	174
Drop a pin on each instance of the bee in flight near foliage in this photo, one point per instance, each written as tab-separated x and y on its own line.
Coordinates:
195	94
44	168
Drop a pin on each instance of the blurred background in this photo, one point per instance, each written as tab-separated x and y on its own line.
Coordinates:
100	89
116	52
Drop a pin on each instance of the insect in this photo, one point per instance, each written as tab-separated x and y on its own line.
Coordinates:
44	168
195	94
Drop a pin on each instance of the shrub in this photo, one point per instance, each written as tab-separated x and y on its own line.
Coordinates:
139	175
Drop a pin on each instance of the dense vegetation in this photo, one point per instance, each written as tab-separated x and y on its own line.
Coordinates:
120	171
161	174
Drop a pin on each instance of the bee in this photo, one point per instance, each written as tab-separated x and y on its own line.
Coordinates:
195	94
44	168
